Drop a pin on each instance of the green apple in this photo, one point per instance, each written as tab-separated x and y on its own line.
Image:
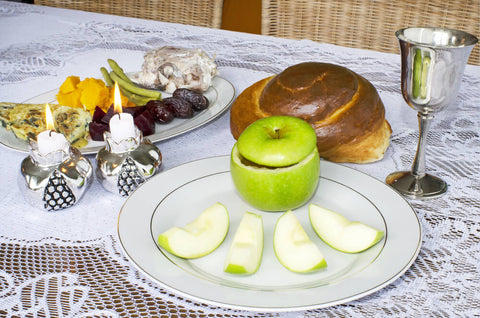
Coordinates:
245	253
199	237
275	164
340	233
293	247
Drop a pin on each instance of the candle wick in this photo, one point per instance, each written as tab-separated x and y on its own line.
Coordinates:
50	132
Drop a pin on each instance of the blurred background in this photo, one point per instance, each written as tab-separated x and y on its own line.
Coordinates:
237	15
364	24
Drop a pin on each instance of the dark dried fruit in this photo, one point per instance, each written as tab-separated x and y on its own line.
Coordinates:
160	113
180	107
198	101
145	123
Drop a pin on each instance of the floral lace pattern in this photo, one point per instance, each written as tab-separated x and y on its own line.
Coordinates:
68	264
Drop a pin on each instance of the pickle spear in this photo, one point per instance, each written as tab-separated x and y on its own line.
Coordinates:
106	76
135	89
118	70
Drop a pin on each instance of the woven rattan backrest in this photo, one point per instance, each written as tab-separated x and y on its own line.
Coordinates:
367	24
207	13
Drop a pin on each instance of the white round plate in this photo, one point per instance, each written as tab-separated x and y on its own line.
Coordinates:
220	96
177	196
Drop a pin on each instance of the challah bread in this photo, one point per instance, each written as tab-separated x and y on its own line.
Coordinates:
343	107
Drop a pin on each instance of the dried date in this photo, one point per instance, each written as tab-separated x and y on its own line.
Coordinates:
199	101
161	114
181	108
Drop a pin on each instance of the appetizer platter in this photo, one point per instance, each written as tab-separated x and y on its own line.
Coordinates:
220	96
176	91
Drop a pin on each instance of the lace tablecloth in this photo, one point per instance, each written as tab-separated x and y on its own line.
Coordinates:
69	263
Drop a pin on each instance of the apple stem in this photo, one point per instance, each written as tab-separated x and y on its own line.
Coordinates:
277	133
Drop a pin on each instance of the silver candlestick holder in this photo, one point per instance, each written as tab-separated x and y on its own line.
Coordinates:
57	180
123	166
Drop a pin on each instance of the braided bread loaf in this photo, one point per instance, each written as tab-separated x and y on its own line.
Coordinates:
343	107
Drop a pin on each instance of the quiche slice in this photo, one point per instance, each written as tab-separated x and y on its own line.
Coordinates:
28	120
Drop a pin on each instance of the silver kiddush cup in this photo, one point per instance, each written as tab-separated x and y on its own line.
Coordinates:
125	165
57	180
433	62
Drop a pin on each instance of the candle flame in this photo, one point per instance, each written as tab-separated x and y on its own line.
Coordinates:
49	123
117	100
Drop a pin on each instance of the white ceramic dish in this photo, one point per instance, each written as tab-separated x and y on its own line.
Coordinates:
220	96
178	195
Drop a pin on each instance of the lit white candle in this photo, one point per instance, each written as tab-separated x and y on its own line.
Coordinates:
49	140
121	124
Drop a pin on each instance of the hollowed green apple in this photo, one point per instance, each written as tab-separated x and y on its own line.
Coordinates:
245	253
293	247
199	237
341	233
275	164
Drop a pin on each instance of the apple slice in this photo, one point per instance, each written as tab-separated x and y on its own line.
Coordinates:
245	253
200	237
340	233
293	247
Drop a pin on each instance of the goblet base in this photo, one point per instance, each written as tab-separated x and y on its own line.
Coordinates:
407	184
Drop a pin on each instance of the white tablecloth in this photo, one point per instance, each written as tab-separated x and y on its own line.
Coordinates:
69	263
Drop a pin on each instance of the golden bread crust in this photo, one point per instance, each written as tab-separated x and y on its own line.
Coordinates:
343	107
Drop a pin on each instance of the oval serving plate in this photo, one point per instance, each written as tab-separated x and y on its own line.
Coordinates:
220	96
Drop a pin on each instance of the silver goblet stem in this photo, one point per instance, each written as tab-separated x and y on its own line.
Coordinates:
418	167
433	61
